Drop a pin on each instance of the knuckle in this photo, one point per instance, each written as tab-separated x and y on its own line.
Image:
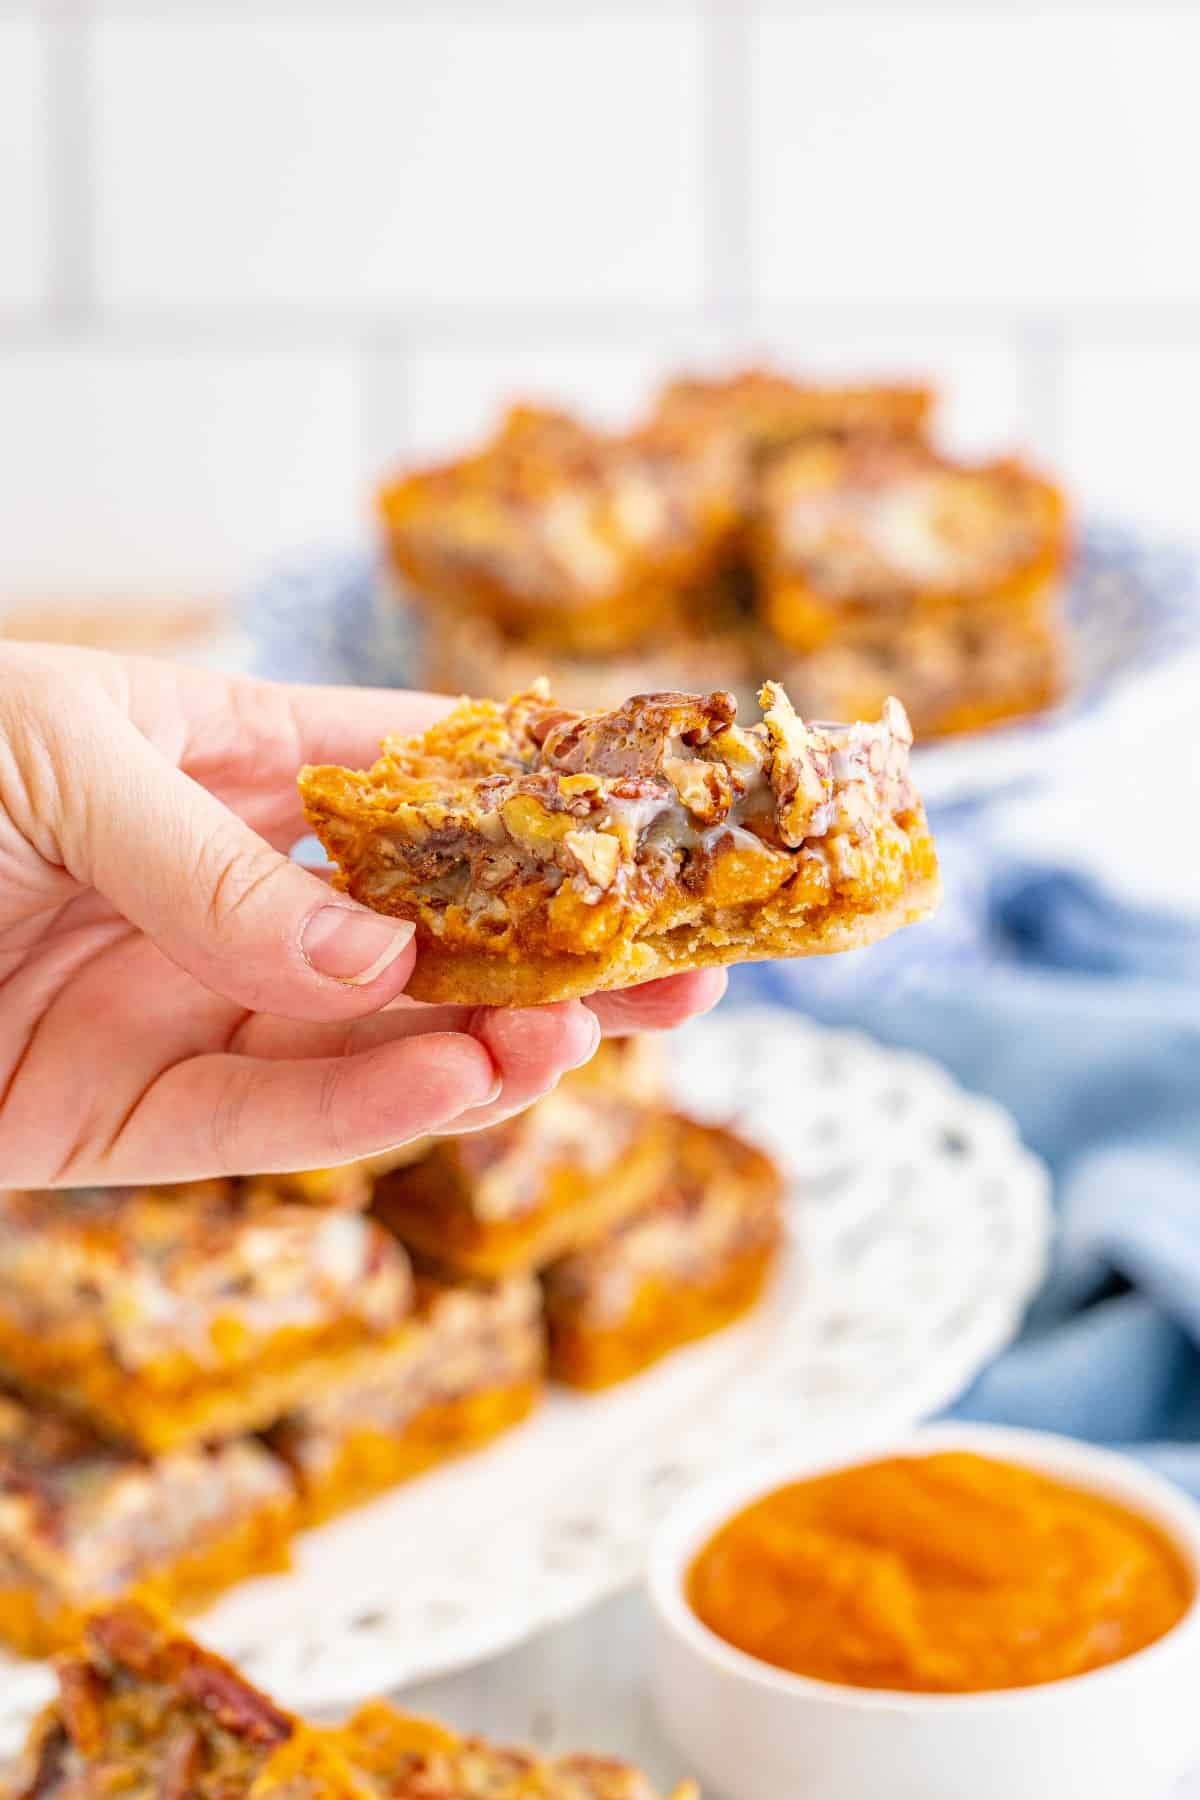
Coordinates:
331	1111
227	1122
235	881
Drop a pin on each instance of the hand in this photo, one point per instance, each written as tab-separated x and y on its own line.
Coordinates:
180	999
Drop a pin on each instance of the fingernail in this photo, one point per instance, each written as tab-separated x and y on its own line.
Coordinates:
353	945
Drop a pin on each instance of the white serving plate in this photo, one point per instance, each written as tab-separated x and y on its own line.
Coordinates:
920	1232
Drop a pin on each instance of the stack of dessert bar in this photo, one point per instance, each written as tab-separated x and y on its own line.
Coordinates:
645	1227
191	1374
751	526
145	1712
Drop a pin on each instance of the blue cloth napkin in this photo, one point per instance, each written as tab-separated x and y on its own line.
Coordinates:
1082	1015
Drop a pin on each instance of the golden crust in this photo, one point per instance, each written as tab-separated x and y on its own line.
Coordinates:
454	976
544	854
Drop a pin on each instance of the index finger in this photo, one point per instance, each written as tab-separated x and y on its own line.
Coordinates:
347	725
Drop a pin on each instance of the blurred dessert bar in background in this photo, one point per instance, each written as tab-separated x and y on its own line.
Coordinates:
143	1710
192	1374
469	1365
568	538
689	1248
543	1183
752	525
761	412
886	567
544	853
81	1521
167	1317
691	1261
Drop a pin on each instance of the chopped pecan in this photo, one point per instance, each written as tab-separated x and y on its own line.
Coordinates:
232	1702
800	771
598	852
635	739
703	787
46	1759
81	1694
181	1765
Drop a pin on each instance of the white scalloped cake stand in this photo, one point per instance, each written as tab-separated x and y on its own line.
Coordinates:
920	1230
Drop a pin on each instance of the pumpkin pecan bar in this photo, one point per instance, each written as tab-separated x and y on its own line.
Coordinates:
348	1185
144	1712
81	1522
468	1366
874	534
568	537
515	1196
544	853
406	1758
463	653
164	1319
691	1261
764	412
961	671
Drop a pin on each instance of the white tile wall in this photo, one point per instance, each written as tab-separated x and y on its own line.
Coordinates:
1131	436
24	165
985	156
143	472
420	159
250	252
448	394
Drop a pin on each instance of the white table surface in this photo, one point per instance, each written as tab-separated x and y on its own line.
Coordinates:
584	1684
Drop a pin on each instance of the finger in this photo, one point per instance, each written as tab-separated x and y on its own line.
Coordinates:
266	1035
347	725
223	1114
247	739
532	1048
216	899
273	726
659	1005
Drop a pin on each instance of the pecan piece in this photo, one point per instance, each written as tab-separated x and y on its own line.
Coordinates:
232	1702
800	771
639	735
598	853
703	787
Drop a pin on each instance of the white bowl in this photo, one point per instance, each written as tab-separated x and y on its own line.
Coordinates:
754	1732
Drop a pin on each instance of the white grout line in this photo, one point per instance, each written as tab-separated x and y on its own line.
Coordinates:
69	188
1041	344
384	378
1116	325
727	164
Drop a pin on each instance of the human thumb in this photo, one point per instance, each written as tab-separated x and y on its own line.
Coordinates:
214	897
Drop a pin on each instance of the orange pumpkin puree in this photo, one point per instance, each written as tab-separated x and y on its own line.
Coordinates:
949	1573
